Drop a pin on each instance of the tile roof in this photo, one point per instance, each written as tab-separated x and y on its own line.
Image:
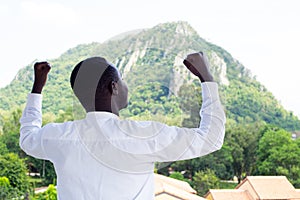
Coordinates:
229	194
271	187
167	188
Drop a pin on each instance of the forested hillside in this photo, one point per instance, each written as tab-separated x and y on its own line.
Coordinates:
258	129
155	56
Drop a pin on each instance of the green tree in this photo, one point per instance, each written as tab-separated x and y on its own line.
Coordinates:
3	148
205	180
278	154
243	139
6	190
178	176
50	175
9	142
220	162
4	187
14	169
49	194
11	132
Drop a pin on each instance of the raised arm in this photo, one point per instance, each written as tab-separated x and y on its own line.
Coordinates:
209	136
31	120
157	142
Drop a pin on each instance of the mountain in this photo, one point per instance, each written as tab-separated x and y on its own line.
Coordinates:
150	61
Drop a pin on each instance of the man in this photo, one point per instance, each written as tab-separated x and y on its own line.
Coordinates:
103	157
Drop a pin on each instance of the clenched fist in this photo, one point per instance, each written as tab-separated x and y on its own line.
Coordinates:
41	70
198	64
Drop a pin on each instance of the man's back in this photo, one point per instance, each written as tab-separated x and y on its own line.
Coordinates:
103	157
79	170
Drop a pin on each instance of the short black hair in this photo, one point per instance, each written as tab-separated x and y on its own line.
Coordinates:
74	74
104	80
109	75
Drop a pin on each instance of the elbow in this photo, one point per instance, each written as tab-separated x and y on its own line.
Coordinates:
219	140
22	138
216	147
219	145
22	143
212	146
27	146
26	141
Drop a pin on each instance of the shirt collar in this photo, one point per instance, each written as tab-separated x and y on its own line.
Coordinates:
101	114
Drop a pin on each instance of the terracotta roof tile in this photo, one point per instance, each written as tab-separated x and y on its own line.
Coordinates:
167	188
271	187
174	182
229	194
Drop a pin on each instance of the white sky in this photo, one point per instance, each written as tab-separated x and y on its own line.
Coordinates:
264	35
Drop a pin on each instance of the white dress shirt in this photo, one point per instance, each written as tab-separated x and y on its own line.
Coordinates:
103	157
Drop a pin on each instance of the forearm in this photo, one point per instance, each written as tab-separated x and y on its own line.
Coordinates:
37	88
206	78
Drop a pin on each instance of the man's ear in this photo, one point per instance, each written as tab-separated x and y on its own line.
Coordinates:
114	87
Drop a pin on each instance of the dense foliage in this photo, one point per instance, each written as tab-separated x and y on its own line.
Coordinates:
49	194
205	180
13	179
278	154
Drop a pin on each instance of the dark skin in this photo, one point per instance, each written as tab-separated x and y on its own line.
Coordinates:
199	66
117	99
41	70
108	103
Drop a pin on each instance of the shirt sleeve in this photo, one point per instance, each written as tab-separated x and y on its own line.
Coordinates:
31	131
174	143
209	136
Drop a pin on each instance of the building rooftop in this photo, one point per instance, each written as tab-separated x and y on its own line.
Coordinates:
167	188
270	187
258	188
229	194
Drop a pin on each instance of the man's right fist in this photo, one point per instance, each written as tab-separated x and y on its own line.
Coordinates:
41	70
198	64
